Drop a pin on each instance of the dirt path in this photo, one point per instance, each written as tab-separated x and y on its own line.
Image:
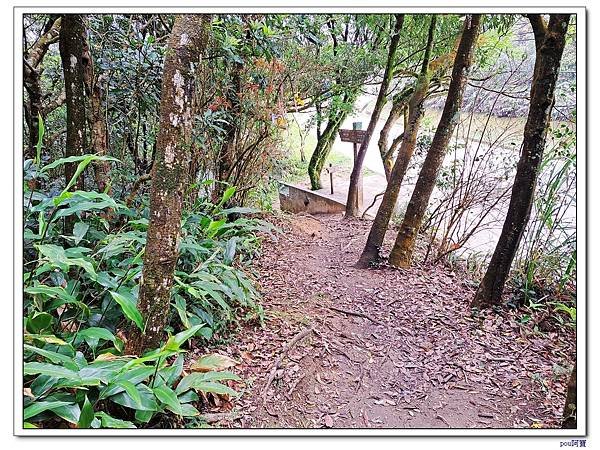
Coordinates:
406	353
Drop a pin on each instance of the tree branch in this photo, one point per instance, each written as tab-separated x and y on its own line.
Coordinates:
39	49
53	104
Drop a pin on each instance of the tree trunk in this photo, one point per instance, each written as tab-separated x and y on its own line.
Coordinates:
323	147
32	71
184	48
402	251
570	410
376	236
352	209
98	127
34	110
100	139
399	105
550	43
71	46
386	158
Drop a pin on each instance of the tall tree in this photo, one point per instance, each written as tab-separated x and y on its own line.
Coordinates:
226	158
352	209
342	92
71	46
442	58
327	138
170	175
415	107
402	251
549	42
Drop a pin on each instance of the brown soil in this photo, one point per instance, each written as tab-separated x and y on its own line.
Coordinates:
407	352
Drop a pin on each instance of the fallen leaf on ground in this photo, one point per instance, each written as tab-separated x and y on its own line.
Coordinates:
212	362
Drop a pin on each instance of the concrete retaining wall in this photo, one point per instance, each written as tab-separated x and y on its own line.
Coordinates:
297	199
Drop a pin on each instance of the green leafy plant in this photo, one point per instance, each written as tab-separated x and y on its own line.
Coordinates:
80	298
64	386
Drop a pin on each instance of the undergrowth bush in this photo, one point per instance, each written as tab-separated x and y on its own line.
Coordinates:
83	256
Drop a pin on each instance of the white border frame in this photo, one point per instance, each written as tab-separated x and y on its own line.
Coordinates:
581	128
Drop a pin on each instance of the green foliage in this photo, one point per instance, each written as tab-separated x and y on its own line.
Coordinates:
209	287
128	53
80	300
245	91
70	387
38	147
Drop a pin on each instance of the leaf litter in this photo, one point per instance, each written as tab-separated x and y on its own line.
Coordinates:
388	348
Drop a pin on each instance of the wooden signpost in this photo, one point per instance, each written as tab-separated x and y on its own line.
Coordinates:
356	135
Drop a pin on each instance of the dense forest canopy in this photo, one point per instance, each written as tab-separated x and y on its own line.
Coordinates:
154	150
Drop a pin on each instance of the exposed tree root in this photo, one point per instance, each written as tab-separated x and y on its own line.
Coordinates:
286	348
357	314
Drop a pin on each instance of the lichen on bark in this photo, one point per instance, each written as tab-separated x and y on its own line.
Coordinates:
170	175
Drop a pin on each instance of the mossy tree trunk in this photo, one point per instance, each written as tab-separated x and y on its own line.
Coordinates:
386	151
402	251
170	176
386	159
352	209
323	148
376	236
550	43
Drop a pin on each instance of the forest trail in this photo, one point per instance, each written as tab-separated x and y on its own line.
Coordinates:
406	353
